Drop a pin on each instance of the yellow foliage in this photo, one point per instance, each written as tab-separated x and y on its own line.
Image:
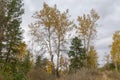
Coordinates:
22	50
49	70
92	58
87	27
115	51
49	67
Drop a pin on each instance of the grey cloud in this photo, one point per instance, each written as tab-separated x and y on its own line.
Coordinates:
104	41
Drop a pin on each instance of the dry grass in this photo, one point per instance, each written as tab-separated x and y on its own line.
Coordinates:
39	74
86	74
83	74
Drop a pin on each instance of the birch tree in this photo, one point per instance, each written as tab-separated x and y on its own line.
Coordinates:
42	29
87	28
62	25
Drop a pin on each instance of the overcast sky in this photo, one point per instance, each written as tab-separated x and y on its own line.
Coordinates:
108	10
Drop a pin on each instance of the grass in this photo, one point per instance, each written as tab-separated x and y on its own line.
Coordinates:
86	74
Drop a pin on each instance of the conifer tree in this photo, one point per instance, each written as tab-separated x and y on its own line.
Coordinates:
77	54
10	33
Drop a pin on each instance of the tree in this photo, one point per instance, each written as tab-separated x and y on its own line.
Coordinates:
64	65
23	65
10	34
42	30
26	66
115	50
41	62
109	64
50	30
3	19
38	62
92	58
87	28
77	54
62	25
13	34
3	22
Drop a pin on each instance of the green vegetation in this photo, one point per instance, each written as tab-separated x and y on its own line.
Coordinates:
77	54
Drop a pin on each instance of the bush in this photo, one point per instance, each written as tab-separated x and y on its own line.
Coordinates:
19	76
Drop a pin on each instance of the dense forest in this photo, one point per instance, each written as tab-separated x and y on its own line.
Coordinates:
59	48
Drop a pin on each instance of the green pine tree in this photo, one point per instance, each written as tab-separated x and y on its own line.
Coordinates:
38	62
41	62
12	32
10	36
76	54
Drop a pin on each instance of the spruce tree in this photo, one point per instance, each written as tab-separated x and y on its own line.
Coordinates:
76	54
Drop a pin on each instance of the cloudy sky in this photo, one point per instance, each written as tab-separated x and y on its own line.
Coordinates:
108	10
